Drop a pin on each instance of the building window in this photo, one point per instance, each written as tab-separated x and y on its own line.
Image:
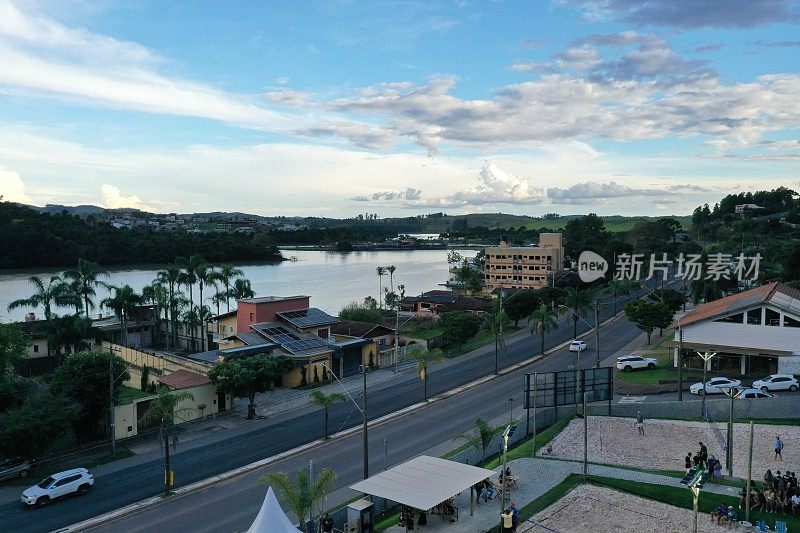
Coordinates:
35	348
736	319
754	316
789	322
772	318
252	317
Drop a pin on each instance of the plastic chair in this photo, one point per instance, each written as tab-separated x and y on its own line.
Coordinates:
780	526
762	526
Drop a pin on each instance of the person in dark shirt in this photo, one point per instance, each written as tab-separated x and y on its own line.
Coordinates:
688	462
703	454
326	524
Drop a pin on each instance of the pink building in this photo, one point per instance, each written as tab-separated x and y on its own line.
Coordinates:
265	309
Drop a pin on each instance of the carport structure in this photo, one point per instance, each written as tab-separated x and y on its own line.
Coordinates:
424	482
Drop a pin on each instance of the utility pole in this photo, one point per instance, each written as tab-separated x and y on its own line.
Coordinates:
585	439
706	357
111	413
167	471
397	332
680	362
385	452
535	390
597	333
749	475
364	413
511	411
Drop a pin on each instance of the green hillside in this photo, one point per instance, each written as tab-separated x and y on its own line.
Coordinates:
613	223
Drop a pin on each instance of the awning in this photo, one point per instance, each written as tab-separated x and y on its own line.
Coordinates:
423	482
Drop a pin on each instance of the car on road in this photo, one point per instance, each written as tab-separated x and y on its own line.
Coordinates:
776	382
715	385
628	363
577	346
752	394
13	468
67	483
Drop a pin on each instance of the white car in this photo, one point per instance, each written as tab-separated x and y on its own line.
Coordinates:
77	481
631	362
715	386
577	346
776	382
752	394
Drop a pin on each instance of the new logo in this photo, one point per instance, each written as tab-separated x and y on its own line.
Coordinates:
591	266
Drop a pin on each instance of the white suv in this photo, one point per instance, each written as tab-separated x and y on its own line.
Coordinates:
632	362
77	481
776	382
577	346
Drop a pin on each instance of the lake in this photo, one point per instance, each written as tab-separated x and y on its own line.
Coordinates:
331	279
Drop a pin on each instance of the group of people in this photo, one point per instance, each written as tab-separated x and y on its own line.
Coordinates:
485	489
702	460
510	517
723	515
780	493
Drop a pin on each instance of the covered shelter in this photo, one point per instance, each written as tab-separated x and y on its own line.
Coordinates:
271	518
423	482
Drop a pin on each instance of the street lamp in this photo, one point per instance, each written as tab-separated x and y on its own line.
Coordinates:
706	357
695	485
509	431
511	411
362	410
731	392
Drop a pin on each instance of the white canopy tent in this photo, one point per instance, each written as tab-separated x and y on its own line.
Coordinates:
271	518
423	482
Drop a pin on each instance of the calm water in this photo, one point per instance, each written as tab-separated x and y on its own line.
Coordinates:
331	279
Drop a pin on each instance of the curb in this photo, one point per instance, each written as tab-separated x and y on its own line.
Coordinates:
186	490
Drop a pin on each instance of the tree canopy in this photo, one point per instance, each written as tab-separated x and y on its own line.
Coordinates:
246	376
458	326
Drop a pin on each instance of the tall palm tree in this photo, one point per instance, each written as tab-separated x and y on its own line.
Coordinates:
617	287
241	289
219	297
161	410
71	295
578	302
171	277
301	494
325	401
390	270
495	322
205	277
424	359
156	295
192	319
381	272
225	274
124	302
481	439
189	276
543	320
46	296
87	277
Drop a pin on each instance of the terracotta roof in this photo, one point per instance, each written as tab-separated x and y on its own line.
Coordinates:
183	379
737	302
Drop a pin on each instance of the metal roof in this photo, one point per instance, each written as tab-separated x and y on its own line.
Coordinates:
308	318
423	482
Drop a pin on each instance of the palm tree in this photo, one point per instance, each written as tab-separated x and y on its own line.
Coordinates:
71	295
205	277
390	269
156	294
47	296
189	275
161	410
381	272
495	322
482	438
424	358
578	302
543	320
225	274
325	401
218	298
241	289
301	494
617	287
192	319
171	277
124	302
86	276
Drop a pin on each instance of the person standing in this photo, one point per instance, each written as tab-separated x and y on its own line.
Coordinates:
778	448
688	462
703	455
514	516
326	524
640	423
508	521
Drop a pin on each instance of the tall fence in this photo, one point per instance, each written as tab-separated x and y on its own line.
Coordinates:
469	455
787	406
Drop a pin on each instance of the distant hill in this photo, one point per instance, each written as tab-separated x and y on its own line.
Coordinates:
82	211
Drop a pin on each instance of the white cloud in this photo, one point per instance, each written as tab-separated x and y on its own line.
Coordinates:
12	188
112	198
591	191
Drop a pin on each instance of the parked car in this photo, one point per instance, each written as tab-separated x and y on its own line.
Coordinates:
77	481
751	394
577	346
631	362
776	382
715	385
12	468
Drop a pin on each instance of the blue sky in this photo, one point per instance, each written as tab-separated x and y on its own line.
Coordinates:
398	108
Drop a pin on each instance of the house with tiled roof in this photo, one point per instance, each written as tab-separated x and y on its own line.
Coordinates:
753	332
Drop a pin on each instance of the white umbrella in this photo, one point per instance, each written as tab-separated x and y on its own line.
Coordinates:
271	518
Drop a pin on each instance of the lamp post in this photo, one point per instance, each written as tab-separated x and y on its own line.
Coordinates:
506	435
361	409
694	485
706	357
511	411
111	411
731	392
749	476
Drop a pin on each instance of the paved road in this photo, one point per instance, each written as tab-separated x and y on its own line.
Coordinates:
410	435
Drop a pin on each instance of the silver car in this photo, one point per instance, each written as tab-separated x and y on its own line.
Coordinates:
14	468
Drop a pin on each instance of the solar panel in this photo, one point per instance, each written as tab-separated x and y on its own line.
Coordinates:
307	318
291	341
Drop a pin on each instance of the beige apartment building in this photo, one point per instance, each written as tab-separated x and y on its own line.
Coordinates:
523	267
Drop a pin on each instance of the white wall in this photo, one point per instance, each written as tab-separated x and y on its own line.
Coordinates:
744	336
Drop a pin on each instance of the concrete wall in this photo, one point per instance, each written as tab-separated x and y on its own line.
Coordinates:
39	351
163	362
251	313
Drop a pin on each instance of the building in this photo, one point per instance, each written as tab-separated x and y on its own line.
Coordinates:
264	309
37	359
382	338
523	267
437	302
747	208
755	332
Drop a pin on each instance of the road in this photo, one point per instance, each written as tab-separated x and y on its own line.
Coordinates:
409	435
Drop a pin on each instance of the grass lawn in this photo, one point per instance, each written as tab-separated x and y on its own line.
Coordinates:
682	497
129	395
654	377
425	334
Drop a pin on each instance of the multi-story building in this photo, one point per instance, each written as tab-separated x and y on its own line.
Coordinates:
523	267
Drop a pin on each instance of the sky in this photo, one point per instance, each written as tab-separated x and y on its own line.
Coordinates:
335	108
